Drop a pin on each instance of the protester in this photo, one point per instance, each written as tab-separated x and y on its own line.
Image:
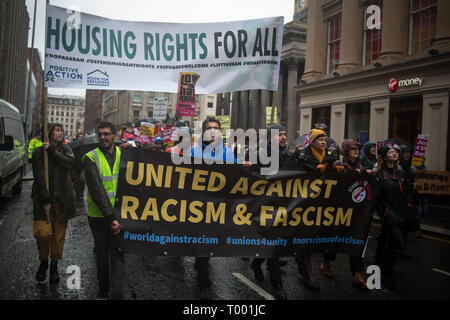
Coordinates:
335	153
315	156
33	145
369	156
274	263
158	141
394	209
78	178
178	136
80	136
413	224
101	167
52	206
211	133
299	147
350	162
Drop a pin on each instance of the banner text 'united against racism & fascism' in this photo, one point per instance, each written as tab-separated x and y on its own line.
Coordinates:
191	200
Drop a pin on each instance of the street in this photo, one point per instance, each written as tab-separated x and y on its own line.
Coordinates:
425	275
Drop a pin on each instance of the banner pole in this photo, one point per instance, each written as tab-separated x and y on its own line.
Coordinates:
45	135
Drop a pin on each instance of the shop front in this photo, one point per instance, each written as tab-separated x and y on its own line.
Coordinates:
397	101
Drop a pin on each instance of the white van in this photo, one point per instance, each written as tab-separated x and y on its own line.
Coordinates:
13	153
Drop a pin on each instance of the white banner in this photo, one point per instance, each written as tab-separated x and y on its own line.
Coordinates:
100	53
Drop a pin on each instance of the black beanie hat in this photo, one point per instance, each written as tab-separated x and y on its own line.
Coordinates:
276	126
382	152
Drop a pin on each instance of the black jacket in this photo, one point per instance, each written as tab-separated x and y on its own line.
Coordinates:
391	201
305	160
61	162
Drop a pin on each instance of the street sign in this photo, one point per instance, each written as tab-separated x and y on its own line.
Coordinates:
160	108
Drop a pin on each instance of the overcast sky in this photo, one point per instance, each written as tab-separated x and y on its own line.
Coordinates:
193	11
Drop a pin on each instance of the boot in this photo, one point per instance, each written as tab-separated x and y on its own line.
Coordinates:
259	275
305	270
325	267
359	282
311	284
202	274
42	271
388	282
54	276
102	294
279	292
203	280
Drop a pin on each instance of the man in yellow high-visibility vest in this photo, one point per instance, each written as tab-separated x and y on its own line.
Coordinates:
101	167
33	145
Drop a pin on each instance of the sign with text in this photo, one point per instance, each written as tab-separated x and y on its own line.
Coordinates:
101	53
432	182
186	94
160	108
146	132
229	210
418	156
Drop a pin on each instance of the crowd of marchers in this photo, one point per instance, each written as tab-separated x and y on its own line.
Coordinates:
396	203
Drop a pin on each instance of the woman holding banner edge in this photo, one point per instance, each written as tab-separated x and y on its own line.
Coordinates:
313	157
350	150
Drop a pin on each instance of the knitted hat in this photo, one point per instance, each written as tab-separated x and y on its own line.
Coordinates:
385	149
316	133
276	126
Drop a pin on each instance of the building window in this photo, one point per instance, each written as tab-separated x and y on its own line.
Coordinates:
357	121
151	97
320	117
210	102
57	113
372	38
423	24
137	97
334	42
136	114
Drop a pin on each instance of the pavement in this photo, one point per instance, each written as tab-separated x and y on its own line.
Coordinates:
437	220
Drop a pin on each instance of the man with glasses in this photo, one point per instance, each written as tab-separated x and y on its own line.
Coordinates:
101	167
